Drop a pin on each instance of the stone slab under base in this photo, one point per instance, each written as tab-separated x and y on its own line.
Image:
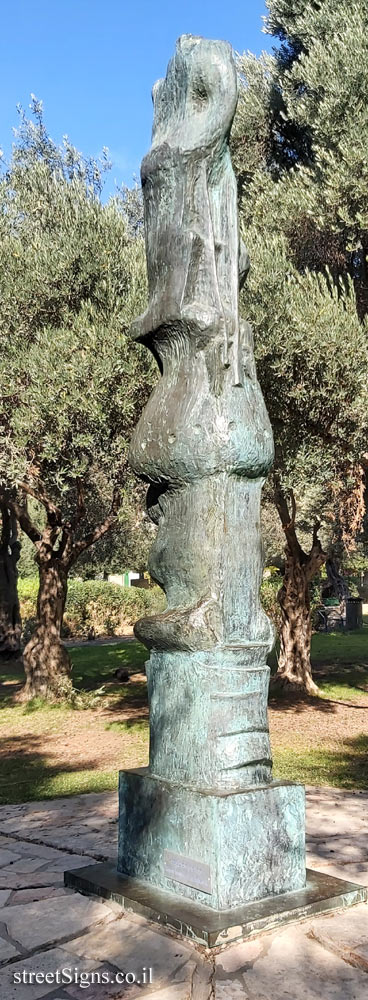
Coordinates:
215	928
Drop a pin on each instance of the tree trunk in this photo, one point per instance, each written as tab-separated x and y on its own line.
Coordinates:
10	622
46	661
294	668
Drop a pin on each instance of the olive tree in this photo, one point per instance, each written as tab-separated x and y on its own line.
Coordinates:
72	277
300	149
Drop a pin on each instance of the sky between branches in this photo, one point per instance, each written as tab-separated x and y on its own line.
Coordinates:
93	64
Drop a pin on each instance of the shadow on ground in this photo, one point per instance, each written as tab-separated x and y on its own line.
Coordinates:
26	773
345	768
297	705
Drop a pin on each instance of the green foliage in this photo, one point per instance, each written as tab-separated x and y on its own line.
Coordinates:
124	547
270	586
273	539
325	91
300	149
27	565
72	277
95	605
28	589
106	607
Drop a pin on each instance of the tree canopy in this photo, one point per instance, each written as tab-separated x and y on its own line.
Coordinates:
72	278
300	149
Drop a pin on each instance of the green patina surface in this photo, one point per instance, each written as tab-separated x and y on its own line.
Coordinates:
204	444
249	844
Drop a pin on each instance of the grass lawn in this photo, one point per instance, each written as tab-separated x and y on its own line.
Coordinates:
49	751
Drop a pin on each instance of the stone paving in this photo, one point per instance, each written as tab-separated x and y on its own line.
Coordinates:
45	928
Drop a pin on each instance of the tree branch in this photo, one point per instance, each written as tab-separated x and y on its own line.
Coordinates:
73	551
316	556
53	511
65	539
81	507
26	523
287	519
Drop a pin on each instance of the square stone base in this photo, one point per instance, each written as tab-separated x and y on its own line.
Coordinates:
221	849
216	929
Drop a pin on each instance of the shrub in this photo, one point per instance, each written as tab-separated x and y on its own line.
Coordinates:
93	605
271	583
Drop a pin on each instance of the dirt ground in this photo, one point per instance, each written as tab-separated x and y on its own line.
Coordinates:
82	739
315	721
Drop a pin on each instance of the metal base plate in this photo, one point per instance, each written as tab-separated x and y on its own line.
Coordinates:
215	928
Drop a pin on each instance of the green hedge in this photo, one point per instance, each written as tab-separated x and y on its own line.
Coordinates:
108	608
95	605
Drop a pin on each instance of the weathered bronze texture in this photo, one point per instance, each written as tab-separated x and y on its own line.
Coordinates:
204	445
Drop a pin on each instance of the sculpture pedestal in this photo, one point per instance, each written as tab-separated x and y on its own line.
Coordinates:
222	849
193	855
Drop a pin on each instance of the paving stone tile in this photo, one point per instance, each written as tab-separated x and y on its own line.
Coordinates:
27	865
27	848
15	825
228	990
45	922
291	966
335	812
6	857
96	822
344	933
56	959
7	950
202	983
59	822
336	820
4	896
33	895
14	880
106	990
185	973
66	862
123	945
356	872
171	992
83	844
350	849
238	956
55	834
107	850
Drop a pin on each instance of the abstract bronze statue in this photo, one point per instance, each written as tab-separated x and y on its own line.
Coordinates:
208	843
204	445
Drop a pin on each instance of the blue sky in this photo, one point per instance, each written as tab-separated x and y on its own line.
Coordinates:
93	64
